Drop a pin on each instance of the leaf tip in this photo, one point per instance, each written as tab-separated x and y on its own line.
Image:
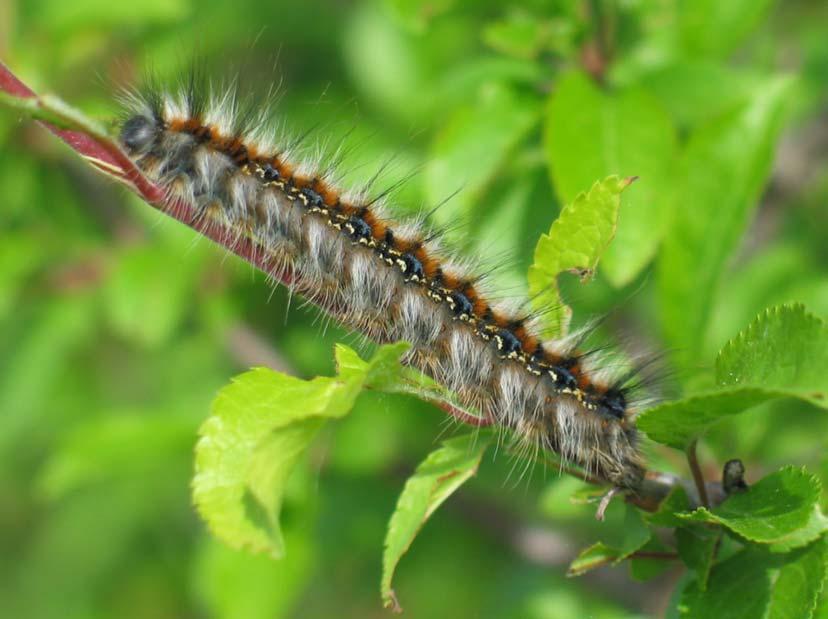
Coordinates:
392	603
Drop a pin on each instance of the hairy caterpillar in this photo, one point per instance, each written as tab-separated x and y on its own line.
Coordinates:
386	278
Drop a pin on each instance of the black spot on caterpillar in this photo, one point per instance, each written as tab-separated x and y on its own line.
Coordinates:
383	277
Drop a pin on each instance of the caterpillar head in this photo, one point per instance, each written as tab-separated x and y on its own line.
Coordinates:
138	134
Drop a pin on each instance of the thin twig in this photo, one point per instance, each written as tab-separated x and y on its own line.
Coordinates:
102	153
698	478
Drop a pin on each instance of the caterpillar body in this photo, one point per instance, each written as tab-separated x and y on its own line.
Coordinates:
384	277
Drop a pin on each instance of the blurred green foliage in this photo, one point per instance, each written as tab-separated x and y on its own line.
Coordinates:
119	327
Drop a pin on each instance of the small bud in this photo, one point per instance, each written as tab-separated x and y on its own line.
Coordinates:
733	477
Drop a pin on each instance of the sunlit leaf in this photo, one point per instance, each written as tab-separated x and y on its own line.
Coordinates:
258	429
782	353
435	480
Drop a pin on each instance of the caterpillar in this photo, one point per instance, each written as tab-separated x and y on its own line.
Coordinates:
385	277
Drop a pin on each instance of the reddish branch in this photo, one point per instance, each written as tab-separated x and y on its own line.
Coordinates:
105	156
698	478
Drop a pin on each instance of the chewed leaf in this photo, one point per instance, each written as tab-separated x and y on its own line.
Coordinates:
436	478
574	244
782	353
258	429
776	510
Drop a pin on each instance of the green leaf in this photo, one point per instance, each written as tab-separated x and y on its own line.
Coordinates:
382	373
697	546
696	90
418	14
782	353
672	504
635	532
597	555
385	373
565	497
141	278
712	28
41	353
436	478
231	584
776	510
523	35
471	148
784	348
752	584
821	611
738	588
779	273
724	167
589	134
816	526
462	83
799	582
644	568
519	35
258	429
635	535
97	13
115	446
575	243
20	257
678	423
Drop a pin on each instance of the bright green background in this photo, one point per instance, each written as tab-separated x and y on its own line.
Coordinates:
117	327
